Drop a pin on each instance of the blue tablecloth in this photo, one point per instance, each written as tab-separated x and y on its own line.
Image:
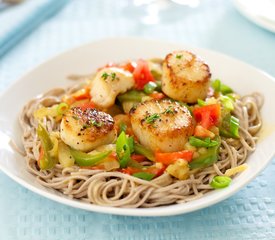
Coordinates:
215	24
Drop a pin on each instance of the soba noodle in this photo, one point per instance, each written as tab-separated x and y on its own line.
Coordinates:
121	190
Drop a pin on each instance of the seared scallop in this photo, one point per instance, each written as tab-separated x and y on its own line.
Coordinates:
185	77
108	83
85	130
162	125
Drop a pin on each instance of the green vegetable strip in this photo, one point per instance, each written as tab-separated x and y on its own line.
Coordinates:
122	127
207	142
150	87
230	127
131	144
216	85
133	95
232	96
88	160
234	127
227	102
207	159
47	162
139	149
225	89
44	137
62	108
144	175
220	87
158	88
123	149
135	164
201	103
156	74
220	182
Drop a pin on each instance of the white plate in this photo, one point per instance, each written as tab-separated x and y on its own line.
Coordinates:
261	12
242	77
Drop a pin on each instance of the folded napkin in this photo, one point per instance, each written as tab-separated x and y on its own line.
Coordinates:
18	21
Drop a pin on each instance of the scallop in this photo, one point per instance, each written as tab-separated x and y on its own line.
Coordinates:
185	77
85	130
108	83
162	125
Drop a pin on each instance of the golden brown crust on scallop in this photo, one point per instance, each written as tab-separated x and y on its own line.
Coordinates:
163	125
87	129
94	123
185	77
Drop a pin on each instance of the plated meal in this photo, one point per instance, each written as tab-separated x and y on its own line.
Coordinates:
141	133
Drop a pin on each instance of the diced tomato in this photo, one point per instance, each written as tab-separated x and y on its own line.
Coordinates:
168	158
203	132
129	66
68	99
156	171
87	105
138	158
142	74
113	155
130	170
157	95
207	116
81	94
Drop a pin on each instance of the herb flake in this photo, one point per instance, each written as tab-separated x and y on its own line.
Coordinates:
152	118
92	123
113	76
96	123
169	110
105	75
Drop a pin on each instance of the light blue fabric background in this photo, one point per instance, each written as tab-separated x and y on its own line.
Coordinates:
249	214
20	20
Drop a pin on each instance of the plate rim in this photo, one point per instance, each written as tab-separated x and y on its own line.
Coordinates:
257	20
147	212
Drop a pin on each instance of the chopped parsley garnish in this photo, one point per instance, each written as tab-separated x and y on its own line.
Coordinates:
105	75
96	124
178	56
93	123
113	76
152	118
169	110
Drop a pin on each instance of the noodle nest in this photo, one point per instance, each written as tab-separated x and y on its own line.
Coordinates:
117	189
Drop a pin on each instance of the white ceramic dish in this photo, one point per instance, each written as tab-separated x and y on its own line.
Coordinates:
260	12
242	77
